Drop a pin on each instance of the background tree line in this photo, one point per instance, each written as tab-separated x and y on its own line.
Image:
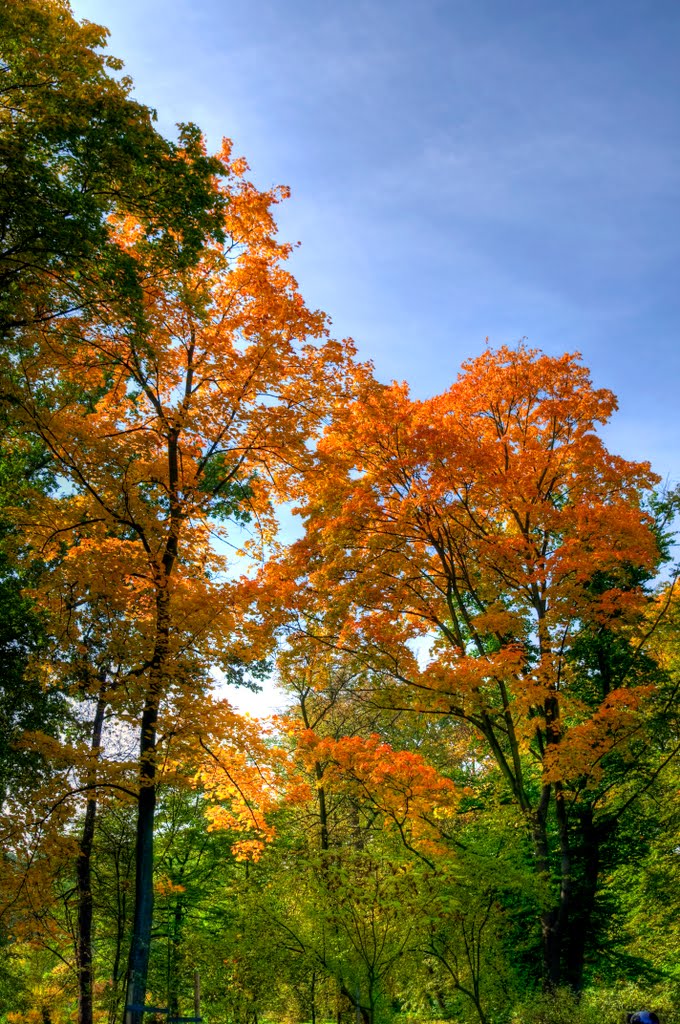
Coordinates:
469	809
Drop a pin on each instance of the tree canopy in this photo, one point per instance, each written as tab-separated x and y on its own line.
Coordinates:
467	809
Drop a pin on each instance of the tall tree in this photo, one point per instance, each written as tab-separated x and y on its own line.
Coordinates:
464	547
166	436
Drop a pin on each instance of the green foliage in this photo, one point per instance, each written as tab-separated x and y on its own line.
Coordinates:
599	1005
24	705
230	495
74	149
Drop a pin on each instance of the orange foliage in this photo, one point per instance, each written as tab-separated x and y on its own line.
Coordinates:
398	782
165	434
171	432
451	544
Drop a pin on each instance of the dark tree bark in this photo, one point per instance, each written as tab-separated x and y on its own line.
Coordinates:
589	840
84	880
140	947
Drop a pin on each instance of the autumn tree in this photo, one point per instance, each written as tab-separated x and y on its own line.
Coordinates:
473	550
166	436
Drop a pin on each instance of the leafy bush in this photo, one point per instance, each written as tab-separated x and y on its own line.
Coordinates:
596	1006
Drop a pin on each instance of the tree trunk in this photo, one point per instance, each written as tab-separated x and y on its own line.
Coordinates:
84	879
588	850
562	911
323	812
117	971
363	1013
554	921
197	995
143	891
140	947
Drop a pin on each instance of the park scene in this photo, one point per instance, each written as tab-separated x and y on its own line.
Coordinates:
339	629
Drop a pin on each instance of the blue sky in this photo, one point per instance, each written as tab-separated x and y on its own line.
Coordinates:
460	169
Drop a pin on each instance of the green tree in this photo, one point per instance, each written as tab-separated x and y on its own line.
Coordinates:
25	706
75	148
